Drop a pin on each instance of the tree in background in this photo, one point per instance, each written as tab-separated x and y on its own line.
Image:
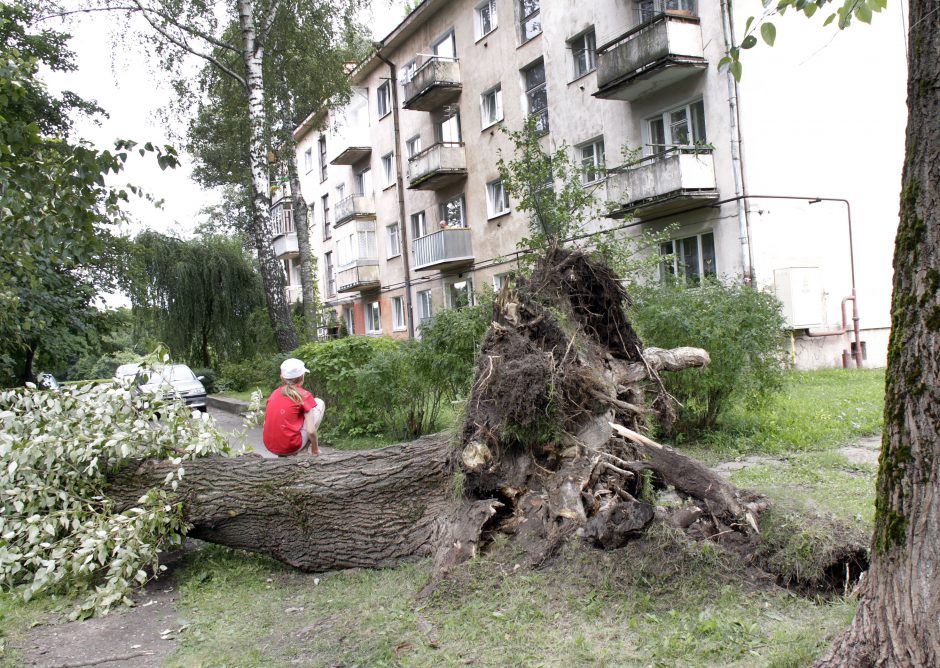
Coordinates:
235	38
56	249
304	72
198	295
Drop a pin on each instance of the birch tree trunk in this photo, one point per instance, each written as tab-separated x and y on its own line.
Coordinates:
898	619
272	276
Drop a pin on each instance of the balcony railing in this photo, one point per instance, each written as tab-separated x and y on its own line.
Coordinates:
437	166
433	85
285	245
353	207
443	249
651	56
364	275
674	180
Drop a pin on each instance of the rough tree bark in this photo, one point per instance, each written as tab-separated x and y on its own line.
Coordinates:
308	282
898	619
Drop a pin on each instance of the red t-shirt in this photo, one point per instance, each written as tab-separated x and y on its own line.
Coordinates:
283	420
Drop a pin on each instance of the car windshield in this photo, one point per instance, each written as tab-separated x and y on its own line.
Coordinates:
175	373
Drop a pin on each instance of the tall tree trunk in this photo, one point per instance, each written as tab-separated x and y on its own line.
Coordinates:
897	620
308	266
272	277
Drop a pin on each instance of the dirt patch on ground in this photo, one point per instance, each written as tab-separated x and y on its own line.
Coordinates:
864	451
142	636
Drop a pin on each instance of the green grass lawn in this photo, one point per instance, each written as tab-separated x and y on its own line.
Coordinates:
659	601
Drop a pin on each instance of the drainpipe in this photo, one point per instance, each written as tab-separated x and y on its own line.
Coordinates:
400	181
737	159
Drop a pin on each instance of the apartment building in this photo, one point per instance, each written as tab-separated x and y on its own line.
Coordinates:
408	215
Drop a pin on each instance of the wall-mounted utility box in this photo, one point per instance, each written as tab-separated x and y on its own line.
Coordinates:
800	290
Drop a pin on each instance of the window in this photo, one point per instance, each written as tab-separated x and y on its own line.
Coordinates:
499	280
363	182
419	225
452	214
413	146
530	24
340	192
647	10
329	274
373	318
349	316
460	294
591	156
485	18
684	126
383	99
408	71
327	225
321	145
394	240
308	160
445	48
491	106
537	95
388	170
497	203
425	306
398	313
584	53
692	258
447	129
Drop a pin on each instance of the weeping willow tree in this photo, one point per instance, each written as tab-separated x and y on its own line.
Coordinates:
198	295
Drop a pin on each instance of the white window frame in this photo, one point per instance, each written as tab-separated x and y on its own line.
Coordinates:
308	160
499	280
321	152
583	53
478	18
383	99
413	146
466	286
373	318
497	200
593	163
491	112
526	18
425	305
388	169
699	135
393	237
444	207
678	268
408	71
448	36
530	92
398	314
419	225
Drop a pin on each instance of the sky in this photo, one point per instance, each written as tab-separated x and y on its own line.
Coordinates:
132	90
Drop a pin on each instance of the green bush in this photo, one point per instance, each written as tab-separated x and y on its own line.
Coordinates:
335	377
260	371
452	339
743	331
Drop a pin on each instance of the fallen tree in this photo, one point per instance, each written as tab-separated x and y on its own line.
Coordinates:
551	447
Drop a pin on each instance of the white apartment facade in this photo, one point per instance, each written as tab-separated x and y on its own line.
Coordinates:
408	215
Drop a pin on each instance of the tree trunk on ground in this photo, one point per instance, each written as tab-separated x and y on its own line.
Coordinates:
551	448
897	620
272	274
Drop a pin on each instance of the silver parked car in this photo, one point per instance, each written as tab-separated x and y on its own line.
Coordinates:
172	381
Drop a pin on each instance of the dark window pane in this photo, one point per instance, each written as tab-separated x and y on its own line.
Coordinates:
708	254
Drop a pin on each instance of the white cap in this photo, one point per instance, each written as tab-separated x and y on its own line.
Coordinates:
292	368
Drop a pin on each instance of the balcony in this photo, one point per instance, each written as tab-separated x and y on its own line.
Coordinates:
354	207
442	250
353	144
678	179
362	276
434	84
285	245
437	166
350	154
657	53
295	294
